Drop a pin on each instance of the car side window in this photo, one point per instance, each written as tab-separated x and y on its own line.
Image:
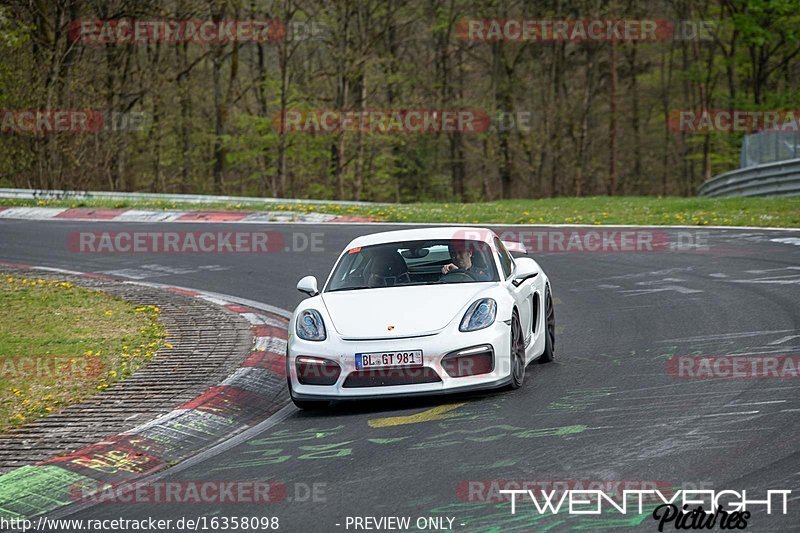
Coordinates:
506	261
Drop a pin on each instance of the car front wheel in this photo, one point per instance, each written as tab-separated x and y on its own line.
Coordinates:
517	353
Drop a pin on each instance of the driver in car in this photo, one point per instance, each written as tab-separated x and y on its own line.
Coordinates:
461	257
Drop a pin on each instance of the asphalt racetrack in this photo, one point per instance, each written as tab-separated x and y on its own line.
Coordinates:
608	409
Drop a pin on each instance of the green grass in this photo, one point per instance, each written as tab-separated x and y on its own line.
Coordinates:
775	212
59	344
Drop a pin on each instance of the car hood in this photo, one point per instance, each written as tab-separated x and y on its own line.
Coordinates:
390	312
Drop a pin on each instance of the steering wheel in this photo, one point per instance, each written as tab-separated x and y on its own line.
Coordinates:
455	276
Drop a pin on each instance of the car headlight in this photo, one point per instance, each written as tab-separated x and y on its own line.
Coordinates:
310	326
481	314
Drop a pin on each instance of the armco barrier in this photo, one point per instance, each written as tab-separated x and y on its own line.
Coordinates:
772	179
43	194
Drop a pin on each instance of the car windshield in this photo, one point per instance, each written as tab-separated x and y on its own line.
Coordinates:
414	263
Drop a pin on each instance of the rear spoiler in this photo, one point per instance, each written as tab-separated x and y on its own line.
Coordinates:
517	247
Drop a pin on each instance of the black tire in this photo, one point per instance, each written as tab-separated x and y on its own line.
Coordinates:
517	353
549	329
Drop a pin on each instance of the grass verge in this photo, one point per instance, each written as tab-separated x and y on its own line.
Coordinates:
60	344
598	210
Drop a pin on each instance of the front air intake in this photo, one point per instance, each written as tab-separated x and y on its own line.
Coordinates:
387	377
469	361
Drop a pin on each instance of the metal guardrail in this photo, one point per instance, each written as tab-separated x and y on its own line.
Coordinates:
42	194
772	179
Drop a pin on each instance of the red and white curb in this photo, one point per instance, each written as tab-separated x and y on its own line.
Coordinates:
91	214
249	398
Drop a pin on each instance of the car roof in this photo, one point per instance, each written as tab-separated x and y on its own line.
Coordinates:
422	234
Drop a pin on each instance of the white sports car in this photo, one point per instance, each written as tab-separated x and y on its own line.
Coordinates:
419	312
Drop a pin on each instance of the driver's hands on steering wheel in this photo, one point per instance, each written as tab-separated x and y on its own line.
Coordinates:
449	267
455	274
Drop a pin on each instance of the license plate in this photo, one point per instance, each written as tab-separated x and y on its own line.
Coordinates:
386	359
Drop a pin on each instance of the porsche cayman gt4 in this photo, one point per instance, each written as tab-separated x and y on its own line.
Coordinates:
420	312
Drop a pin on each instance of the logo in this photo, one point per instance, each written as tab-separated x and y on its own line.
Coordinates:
699	518
390	328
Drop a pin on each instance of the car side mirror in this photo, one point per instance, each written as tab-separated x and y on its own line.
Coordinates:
526	269
308	285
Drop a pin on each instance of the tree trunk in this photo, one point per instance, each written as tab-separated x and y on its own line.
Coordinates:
636	177
612	126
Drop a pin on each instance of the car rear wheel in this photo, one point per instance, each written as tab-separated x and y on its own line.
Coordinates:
517	353
550	329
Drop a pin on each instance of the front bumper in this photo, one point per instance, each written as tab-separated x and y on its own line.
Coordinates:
434	348
385	394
